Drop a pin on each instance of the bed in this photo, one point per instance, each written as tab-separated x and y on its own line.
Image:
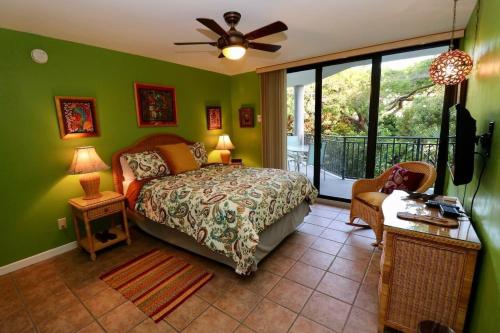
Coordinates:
231	214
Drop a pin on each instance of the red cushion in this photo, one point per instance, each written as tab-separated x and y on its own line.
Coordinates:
402	179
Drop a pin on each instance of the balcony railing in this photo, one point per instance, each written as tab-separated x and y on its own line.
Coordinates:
345	156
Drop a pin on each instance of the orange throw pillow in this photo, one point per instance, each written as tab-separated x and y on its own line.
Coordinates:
179	158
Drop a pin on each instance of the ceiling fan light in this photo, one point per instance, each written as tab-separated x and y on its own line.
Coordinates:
234	52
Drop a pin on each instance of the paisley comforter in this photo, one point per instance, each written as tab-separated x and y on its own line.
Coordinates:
225	207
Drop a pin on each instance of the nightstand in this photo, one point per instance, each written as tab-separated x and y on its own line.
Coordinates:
87	211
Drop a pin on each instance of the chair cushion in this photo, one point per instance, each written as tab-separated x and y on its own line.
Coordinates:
372	199
402	179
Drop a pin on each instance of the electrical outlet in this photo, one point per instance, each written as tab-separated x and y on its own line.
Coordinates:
259	118
61	223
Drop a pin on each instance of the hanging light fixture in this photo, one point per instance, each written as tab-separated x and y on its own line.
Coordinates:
453	66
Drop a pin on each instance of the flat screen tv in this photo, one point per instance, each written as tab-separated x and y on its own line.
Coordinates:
462	144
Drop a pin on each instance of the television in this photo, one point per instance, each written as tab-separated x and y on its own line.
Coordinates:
461	143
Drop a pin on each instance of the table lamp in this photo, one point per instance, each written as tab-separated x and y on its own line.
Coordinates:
224	145
86	163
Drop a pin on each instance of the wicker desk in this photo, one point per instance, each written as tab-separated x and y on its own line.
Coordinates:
427	270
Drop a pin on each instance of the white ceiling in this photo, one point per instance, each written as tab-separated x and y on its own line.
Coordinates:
149	27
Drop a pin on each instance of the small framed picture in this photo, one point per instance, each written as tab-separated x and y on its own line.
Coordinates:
214	117
155	105
246	117
76	116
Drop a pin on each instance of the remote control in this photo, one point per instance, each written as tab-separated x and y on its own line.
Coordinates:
437	204
449	211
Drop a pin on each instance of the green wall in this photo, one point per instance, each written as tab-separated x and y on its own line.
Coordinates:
34	160
483	101
245	92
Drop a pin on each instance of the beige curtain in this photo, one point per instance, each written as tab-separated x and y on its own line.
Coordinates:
273	108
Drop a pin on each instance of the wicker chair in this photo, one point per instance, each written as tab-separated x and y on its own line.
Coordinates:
367	199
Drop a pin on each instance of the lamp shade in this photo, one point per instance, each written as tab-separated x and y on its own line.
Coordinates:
450	67
224	143
86	160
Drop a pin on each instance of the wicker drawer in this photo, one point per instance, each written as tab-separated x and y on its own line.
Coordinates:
104	210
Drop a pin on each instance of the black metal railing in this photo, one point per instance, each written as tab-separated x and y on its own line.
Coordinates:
345	156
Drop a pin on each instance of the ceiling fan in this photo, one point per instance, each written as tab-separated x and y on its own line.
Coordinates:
233	43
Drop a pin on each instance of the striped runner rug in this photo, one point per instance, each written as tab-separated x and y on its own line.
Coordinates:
156	282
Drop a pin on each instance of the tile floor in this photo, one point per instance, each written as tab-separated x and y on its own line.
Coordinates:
322	278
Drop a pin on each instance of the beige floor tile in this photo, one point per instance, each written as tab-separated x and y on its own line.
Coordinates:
354	270
290	294
243	329
327	311
301	238
149	326
238	302
335	235
70	319
339	287
317	259
343	217
311	229
327	246
269	317
318	220
361	321
355	253
16	322
94	327
304	325
291	249
89	287
181	317
360	241
367	298
341	226
10	301
277	264
261	282
51	305
35	293
214	288
122	318
304	274
365	232
212	320
104	301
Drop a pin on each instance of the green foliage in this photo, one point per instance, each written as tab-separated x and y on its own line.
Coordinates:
410	104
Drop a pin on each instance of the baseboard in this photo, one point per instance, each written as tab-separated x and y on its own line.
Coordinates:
37	258
333	203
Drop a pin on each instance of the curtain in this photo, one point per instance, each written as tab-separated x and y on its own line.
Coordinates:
273	108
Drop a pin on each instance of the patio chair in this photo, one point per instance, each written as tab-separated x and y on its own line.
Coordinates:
366	202
309	160
291	158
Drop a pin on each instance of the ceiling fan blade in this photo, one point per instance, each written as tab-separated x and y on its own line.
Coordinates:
269	29
221	55
264	47
197	43
214	26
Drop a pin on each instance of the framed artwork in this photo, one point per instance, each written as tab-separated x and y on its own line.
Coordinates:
155	105
214	117
76	116
246	117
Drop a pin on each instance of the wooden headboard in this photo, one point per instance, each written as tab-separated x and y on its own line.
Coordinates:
147	143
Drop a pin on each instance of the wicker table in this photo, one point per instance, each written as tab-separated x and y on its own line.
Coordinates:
87	211
427	270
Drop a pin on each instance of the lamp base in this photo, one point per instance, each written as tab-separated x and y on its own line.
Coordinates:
225	156
90	184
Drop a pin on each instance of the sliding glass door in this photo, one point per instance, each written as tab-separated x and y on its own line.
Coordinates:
345	104
354	118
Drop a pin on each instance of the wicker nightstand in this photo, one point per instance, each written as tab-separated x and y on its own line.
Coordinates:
110	203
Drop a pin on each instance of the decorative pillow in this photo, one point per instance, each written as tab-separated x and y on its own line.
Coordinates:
179	158
199	152
402	179
147	164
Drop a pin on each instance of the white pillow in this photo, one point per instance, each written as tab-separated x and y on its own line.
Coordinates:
128	174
